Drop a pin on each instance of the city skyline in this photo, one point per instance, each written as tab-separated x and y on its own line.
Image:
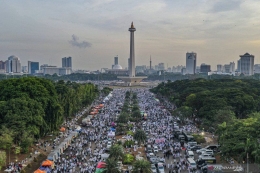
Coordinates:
93	32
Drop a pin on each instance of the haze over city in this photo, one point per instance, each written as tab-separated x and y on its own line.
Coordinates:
94	31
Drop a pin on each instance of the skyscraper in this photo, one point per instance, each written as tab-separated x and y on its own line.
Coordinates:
191	59
247	64
116	60
238	65
13	65
2	65
67	62
32	67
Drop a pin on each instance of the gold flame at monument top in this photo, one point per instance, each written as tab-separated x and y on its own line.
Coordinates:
132	25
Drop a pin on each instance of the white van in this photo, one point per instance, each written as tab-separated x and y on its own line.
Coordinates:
191	154
192	163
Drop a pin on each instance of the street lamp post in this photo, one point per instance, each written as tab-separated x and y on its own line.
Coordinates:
243	165
247	165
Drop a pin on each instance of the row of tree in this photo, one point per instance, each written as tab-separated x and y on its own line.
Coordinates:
116	151
213	100
162	76
33	107
130	112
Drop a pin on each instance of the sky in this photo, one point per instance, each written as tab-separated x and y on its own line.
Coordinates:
93	32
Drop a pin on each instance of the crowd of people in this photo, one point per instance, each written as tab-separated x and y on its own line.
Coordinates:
87	149
160	129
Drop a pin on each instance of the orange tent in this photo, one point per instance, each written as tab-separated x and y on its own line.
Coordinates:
62	129
39	171
47	163
101	105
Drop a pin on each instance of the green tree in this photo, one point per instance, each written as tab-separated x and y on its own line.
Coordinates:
140	136
142	166
137	115
6	141
26	142
183	113
2	159
128	159
111	166
123	118
116	151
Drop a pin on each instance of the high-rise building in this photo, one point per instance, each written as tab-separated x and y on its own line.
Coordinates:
174	69
179	67
32	67
2	65
67	62
227	68
257	68
191	59
247	64
239	66
197	69
161	66
232	67
13	65
116	60
204	68
219	68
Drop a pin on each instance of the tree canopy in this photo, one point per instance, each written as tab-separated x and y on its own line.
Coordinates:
32	107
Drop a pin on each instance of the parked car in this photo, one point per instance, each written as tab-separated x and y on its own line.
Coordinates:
195	148
208	152
201	150
160	168
151	155
153	160
214	147
155	149
205	155
153	168
109	144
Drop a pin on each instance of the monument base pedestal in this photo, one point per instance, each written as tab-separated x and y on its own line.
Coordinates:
131	81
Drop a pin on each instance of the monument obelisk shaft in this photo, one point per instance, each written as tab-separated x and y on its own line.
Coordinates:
132	51
132	79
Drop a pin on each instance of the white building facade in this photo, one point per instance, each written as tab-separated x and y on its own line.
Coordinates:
13	65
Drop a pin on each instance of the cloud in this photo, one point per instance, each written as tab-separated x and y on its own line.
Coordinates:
226	5
75	42
150	7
